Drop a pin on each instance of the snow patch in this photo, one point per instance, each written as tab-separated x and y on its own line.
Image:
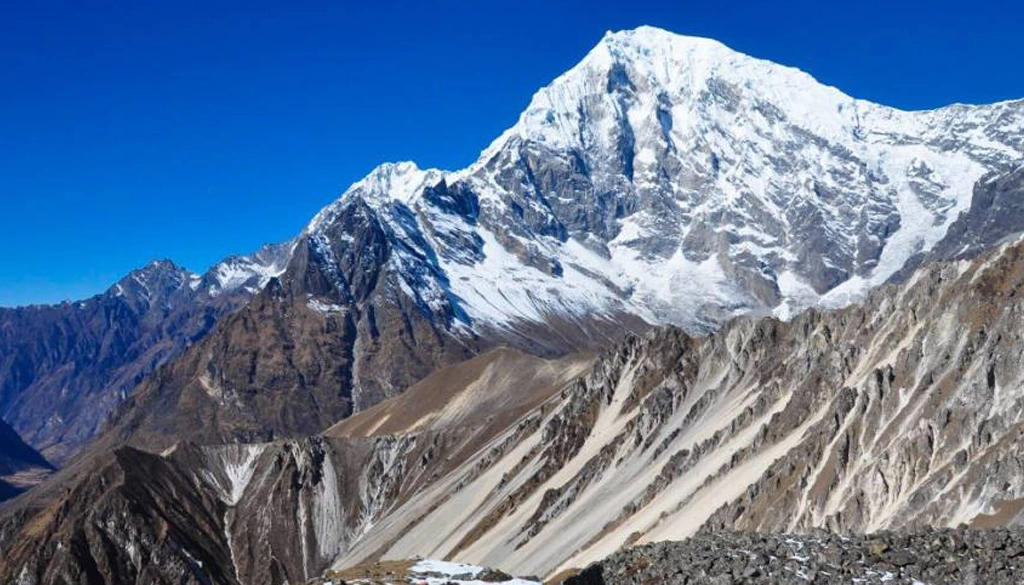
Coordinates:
445	572
324	307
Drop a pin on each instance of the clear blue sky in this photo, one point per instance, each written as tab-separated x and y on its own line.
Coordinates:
137	130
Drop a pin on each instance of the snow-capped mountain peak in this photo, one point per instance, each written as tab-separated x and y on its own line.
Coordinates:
676	180
153	283
651	64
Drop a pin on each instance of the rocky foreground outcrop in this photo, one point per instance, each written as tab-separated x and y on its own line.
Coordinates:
933	557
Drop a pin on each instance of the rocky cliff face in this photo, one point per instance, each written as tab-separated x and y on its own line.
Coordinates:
64	368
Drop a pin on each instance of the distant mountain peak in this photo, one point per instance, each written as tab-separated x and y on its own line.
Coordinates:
648	64
157	280
159	267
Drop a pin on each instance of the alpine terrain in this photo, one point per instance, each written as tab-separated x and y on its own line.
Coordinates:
21	466
689	295
64	368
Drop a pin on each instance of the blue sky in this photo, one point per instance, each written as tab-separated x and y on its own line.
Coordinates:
192	130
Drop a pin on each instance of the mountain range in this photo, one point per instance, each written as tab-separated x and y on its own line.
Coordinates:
688	290
63	368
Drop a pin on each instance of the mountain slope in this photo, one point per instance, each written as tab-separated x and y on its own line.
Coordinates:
63	368
21	466
901	412
856	420
266	513
135	517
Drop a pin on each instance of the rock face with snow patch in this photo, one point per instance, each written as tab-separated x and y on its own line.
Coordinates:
996	214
